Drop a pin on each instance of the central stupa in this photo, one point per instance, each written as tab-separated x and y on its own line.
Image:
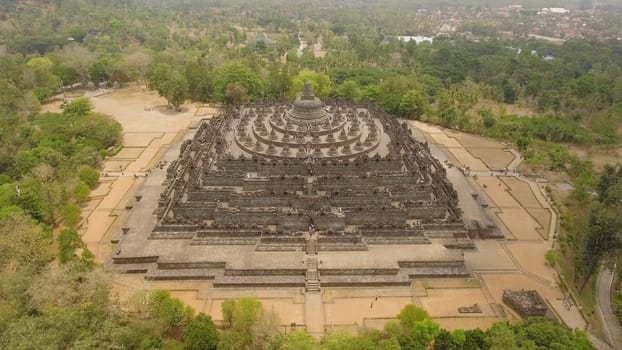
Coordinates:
307	107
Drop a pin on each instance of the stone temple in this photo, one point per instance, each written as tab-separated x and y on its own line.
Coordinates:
297	195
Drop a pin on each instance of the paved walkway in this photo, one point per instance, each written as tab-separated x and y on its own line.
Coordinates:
314	314
603	298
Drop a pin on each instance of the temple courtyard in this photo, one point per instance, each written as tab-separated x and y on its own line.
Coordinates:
481	171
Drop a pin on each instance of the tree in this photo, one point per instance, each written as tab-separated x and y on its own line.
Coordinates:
242	313
449	116
236	94
279	80
170	313
46	83
81	192
78	108
475	339
89	176
68	243
415	330
138	63
546	333
424	332
101	71
176	89
609	179
237	72
249	325
413	104
23	244
377	340
348	90
169	83
297	341
265	329
338	341
411	314
523	143
201	334
502	337
601	239
71	214
320	82
79	58
509	92
200	81
99	131
552	257
446	341
392	90
465	95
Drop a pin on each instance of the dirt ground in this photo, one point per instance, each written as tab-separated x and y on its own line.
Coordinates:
356	310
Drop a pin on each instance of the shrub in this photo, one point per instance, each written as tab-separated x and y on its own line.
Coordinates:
89	176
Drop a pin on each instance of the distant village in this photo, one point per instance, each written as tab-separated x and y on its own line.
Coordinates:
554	24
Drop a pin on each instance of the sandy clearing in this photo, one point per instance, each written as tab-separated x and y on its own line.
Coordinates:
473	141
467	160
190	298
520	223
117	191
489	255
494	158
350	310
521	191
445	140
139	139
497	191
115	165
530	256
543	218
128	153
98	221
101	189
445	302
426	128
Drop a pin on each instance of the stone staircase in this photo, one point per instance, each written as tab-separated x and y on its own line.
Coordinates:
312	276
311	247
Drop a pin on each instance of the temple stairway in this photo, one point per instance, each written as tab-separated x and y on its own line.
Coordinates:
311	246
312	276
314	308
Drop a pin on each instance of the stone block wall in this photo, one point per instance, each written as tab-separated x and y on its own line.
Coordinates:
427	212
330	222
367	217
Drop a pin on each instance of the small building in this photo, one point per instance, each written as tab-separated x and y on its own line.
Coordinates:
416	38
554	11
263	37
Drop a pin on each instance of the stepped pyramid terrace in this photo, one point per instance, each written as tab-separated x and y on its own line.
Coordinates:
298	194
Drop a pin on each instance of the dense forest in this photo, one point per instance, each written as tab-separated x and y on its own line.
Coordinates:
52	295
